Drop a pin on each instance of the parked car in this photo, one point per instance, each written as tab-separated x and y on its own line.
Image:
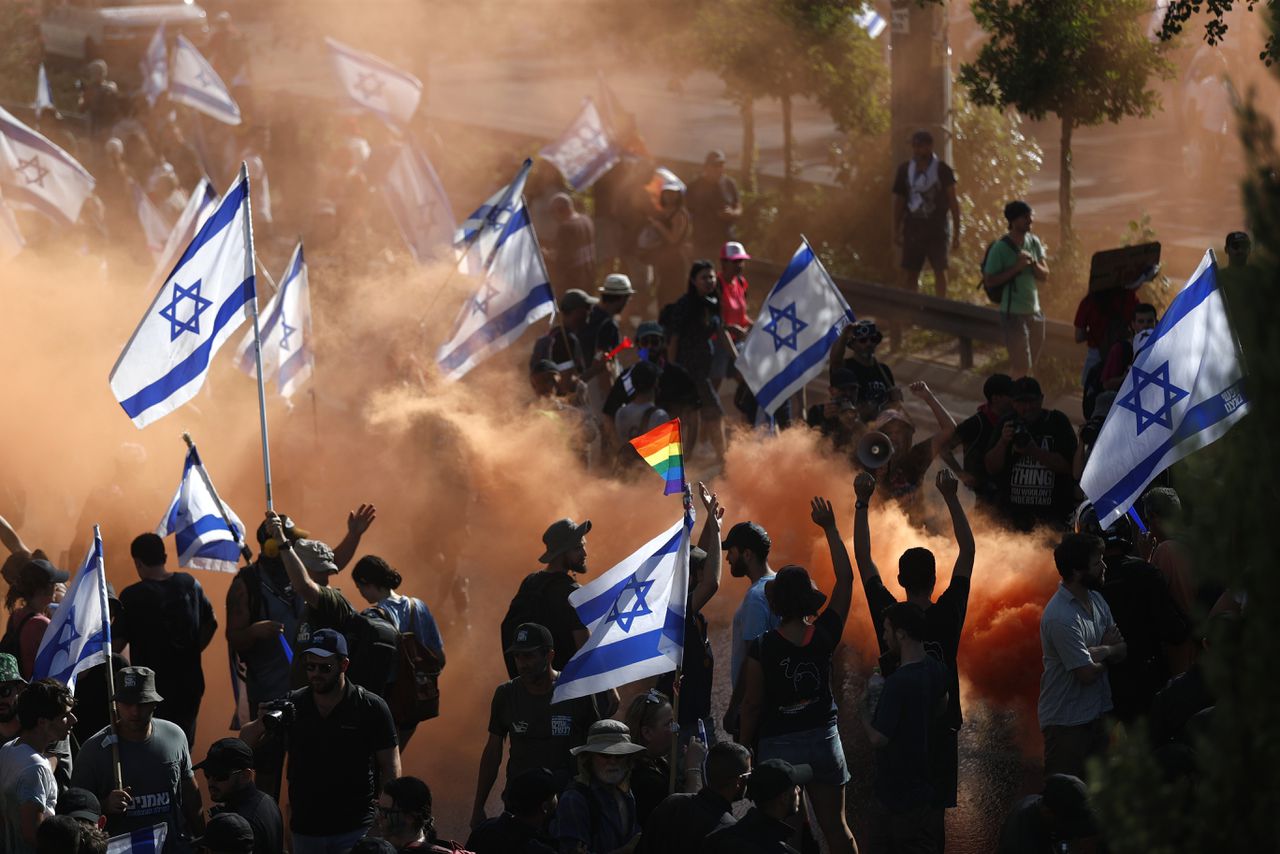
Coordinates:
116	29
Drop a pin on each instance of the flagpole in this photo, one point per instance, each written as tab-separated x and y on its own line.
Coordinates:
257	334
106	649
222	510
675	724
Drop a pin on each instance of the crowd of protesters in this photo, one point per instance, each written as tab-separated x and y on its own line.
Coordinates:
335	689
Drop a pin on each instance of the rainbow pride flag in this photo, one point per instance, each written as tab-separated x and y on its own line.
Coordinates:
661	449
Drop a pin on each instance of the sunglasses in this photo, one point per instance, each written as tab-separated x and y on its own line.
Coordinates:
322	667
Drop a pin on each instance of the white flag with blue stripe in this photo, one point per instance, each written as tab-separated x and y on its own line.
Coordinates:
375	84
418	203
635	614
11	240
871	21
193	82
1184	390
584	152
201	204
514	290
475	239
201	535
285	330
199	306
44	94
155	67
800	320
156	228
79	633
38	175
144	840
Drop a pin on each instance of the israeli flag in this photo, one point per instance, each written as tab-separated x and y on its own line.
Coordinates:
198	307
418	203
144	840
200	206
1184	390
584	152
800	320
38	175
11	241
871	21
375	84
514	292
635	614
44	95
475	239
156	228
79	634
155	67
200	531
193	82
285	331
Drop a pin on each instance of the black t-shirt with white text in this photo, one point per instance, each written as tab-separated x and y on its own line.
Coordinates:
1029	490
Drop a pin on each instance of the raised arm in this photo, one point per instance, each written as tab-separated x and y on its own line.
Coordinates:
298	575
950	489
864	485
9	537
946	423
358	521
825	518
709	542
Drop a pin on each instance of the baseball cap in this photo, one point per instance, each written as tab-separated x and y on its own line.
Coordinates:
998	385
39	571
650	328
1027	388
773	777
79	803
748	535
529	789
576	298
227	831
226	755
715	155
734	251
531	637
326	643
316	556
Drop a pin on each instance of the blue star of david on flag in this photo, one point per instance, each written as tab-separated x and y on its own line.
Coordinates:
480	304
79	632
368	84
285	331
639	607
771	326
37	168
177	325
1162	414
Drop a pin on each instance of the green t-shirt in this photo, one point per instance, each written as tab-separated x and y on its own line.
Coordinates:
1020	295
332	611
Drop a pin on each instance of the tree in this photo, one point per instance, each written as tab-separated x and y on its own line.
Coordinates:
1215	28
786	49
1085	61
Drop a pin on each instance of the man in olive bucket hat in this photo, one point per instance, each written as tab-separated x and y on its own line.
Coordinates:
543	596
597	810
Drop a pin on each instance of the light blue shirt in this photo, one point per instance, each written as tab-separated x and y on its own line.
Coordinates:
1066	632
412	615
752	619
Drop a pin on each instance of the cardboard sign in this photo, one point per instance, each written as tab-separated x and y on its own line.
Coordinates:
1118	268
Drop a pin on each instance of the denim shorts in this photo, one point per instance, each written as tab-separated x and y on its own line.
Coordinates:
818	748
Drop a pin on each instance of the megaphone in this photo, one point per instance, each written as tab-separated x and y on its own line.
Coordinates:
874	450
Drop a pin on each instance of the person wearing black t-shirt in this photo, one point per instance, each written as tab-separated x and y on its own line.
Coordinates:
944	619
876	386
788	710
543	596
1030	462
676	393
977	433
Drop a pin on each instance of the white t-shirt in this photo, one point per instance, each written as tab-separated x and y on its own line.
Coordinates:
25	777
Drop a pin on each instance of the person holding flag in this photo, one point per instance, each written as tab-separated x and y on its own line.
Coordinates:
788	709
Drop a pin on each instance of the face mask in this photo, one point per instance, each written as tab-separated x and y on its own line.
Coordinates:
613	775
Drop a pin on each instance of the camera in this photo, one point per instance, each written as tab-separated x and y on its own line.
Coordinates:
1089	432
1021	436
277	713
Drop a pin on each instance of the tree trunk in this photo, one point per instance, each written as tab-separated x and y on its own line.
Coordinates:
788	163
1066	234
747	108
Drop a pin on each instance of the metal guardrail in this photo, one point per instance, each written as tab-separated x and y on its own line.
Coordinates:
967	322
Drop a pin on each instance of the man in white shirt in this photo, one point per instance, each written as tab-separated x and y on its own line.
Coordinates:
28	792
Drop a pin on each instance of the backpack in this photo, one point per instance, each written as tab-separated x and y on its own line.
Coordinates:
12	640
414	696
995	293
529	605
374	645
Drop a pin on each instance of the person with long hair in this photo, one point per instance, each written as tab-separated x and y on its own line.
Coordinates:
788	709
28	601
377	583
695	329
651	721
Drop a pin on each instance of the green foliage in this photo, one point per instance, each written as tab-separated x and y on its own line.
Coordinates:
1235	804
1085	61
1215	28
